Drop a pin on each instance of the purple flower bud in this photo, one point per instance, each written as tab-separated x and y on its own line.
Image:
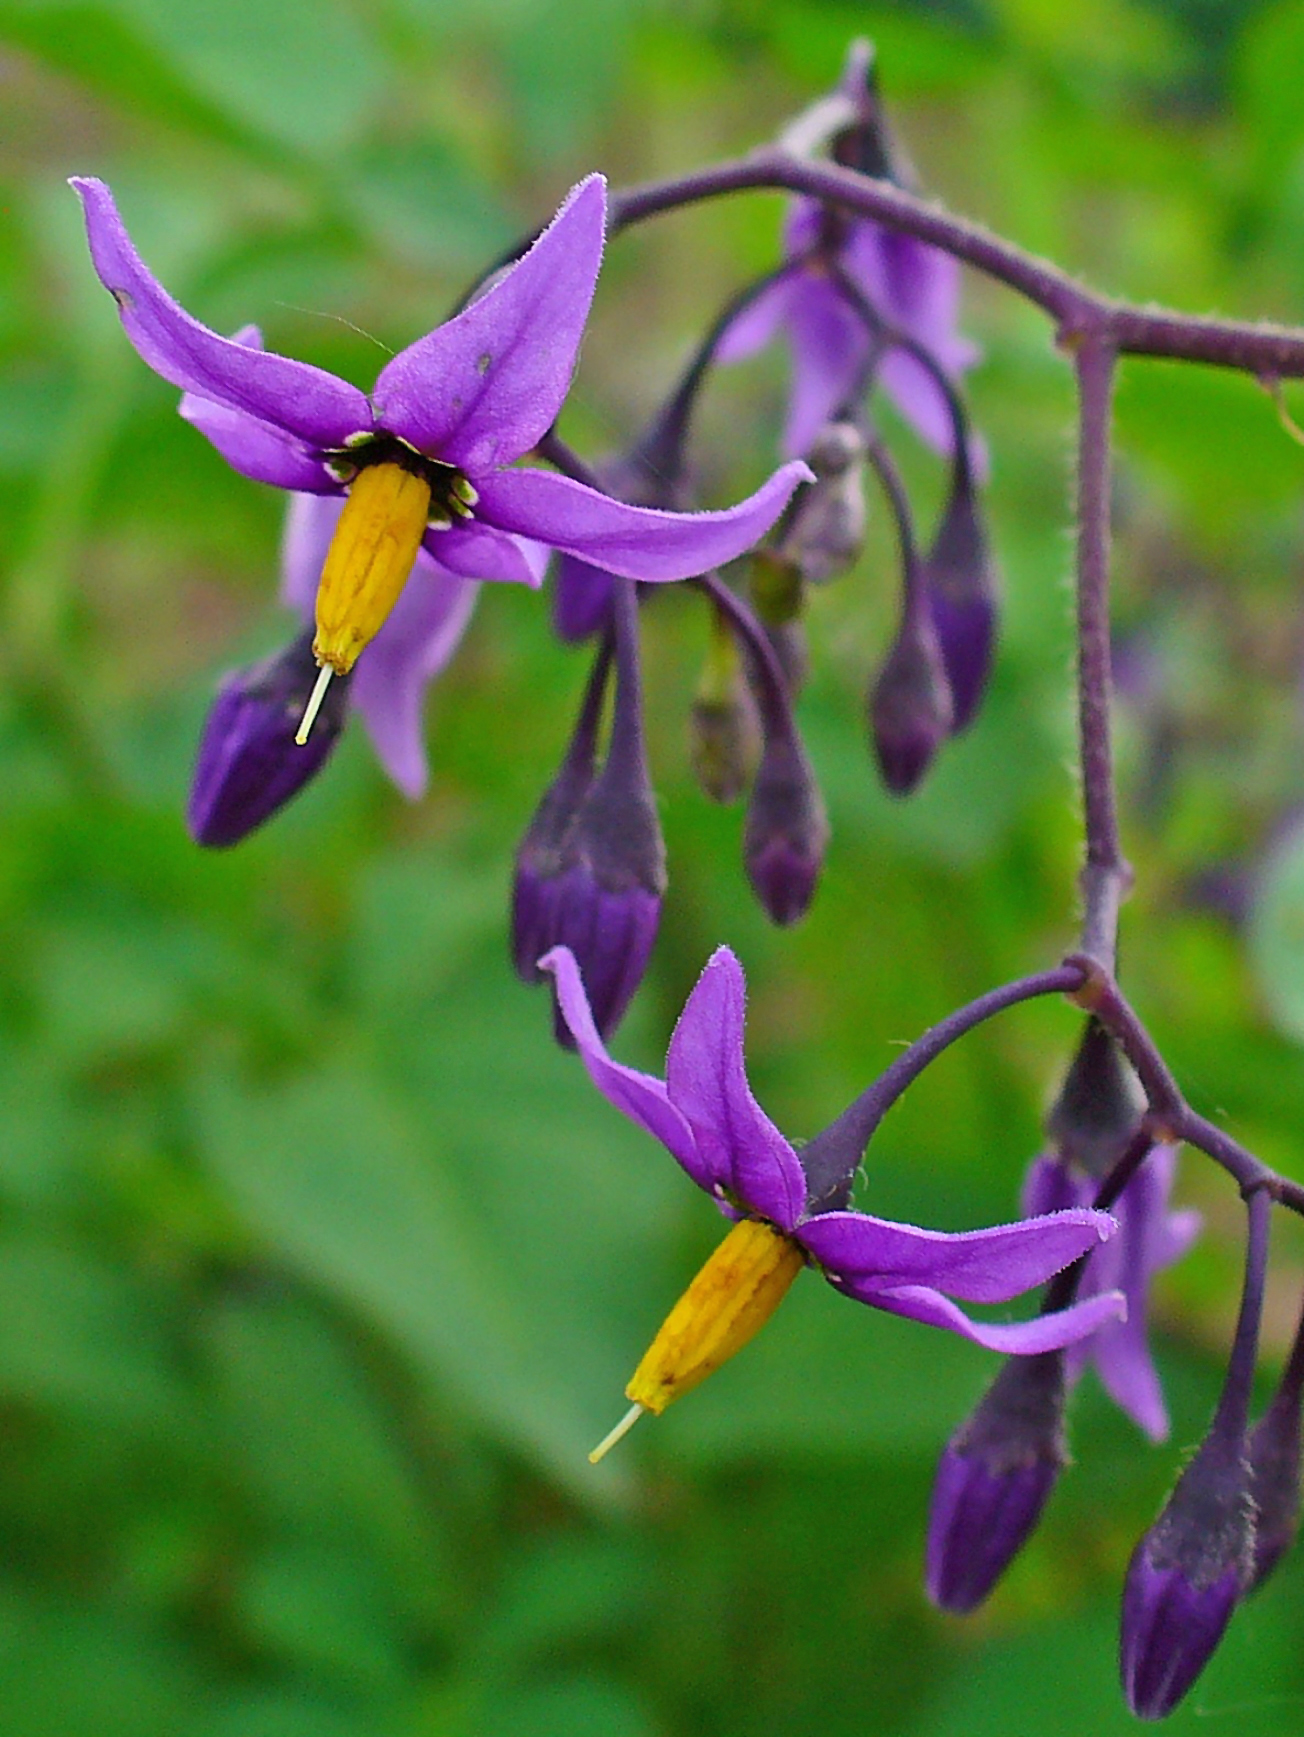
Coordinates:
581	599
249	764
610	928
993	1481
1186	1577
961	588
540	863
910	706
824	530
1274	1452
1099	1106
786	830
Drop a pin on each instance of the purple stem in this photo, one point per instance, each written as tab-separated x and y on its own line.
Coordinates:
1233	1411
1105	874
1254	348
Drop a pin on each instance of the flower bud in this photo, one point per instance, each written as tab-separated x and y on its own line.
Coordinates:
961	588
786	830
775	584
910	706
1274	1453
540	863
724	728
608	918
581	599
1099	1106
249	765
1186	1577
825	531
993	1481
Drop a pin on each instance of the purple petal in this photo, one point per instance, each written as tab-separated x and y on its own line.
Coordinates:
641	1097
983	1266
636	542
829	346
305	402
309	526
256	449
477	551
482	389
707	1082
1052	1187
1014	1338
753	327
421	633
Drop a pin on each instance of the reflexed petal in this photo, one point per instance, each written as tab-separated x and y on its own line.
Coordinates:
481	390
641	1097
477	551
256	449
636	542
389	683
829	346
707	1082
306	402
752	328
1015	1338
983	1266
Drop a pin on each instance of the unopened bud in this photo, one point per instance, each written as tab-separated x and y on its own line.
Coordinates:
825	530
910	706
786	831
581	599
961	589
1274	1453
776	587
1186	1577
724	728
1099	1106
993	1481
249	764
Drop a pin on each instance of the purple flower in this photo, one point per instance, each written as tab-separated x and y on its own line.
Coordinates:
706	1117
425	461
1150	1237
911	287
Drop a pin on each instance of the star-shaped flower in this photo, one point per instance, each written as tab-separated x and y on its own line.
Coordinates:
426	460
706	1117
1150	1237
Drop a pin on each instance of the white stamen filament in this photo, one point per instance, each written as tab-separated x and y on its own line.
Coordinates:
623	1428
315	699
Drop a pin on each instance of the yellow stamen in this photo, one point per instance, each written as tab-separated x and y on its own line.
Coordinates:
732	1298
368	562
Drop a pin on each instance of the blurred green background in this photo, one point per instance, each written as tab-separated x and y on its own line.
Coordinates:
320	1268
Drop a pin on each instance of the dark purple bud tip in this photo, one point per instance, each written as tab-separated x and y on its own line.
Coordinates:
910	707
786	832
1185	1579
962	597
1099	1106
249	764
993	1481
611	933
1274	1452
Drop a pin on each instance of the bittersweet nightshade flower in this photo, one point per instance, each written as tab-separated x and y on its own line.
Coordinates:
1150	1237
706	1117
913	288
425	461
249	765
993	1480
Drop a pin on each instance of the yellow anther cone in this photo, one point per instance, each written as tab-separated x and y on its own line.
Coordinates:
369	560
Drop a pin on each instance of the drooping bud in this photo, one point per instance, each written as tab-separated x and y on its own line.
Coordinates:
1274	1452
541	857
960	583
1186	1577
910	705
581	599
725	730
1099	1106
993	1481
249	765
824	530
1197	1561
786	831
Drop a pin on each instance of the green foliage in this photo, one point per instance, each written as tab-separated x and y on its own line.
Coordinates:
320	1267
